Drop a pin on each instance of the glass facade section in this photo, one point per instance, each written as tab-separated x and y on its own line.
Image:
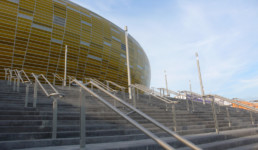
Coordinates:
33	35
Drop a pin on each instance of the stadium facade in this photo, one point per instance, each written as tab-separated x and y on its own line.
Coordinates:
33	35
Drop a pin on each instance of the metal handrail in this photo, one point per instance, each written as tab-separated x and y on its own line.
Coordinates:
58	76
26	76
42	87
6	72
237	103
193	93
151	93
173	92
101	84
115	84
147	132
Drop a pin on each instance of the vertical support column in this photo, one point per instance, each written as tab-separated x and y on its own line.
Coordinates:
123	90
14	84
134	99
70	83
228	116
65	65
35	94
214	116
137	94
5	74
174	116
54	80
82	119
190	86
27	95
9	81
219	108
54	121
187	104
18	84
200	77
108	84
251	117
128	63
114	99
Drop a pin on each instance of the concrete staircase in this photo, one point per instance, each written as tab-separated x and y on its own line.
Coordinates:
31	127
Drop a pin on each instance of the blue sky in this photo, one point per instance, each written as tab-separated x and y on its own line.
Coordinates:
223	32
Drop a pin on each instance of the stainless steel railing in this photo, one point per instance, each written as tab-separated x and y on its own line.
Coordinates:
101	84
140	87
147	132
58	77
54	95
250	108
118	86
173	92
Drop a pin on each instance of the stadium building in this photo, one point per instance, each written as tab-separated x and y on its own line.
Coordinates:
33	35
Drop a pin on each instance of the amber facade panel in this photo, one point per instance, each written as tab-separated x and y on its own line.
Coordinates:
33	35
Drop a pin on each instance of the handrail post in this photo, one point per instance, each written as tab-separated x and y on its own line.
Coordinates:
8	80
54	121
218	108
124	94
192	103
69	82
82	118
14	84
5	74
35	94
174	116
137	94
214	116
54	80
108	84
187	104
134	99
18	84
228	116
114	99
27	95
251	117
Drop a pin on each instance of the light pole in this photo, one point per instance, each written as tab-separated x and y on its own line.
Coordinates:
200	77
65	65
128	63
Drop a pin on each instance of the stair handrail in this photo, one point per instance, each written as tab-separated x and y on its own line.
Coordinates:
237	103
136	124
139	87
20	72
101	84
58	77
193	93
115	84
173	92
42	87
8	72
